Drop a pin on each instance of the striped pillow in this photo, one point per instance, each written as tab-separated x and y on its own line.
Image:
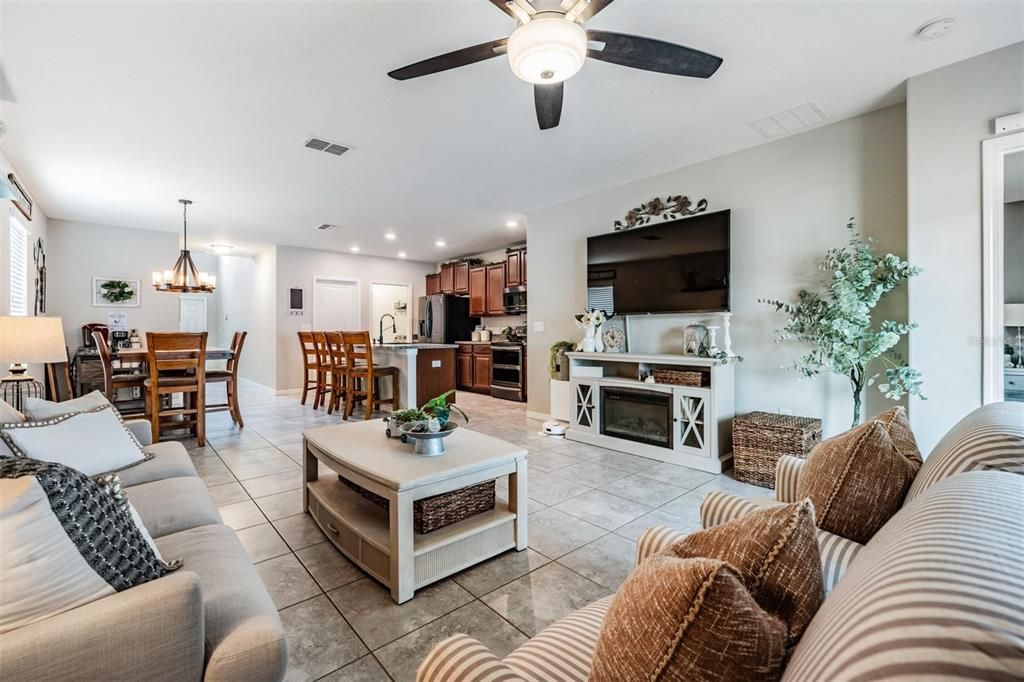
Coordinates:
990	437
937	593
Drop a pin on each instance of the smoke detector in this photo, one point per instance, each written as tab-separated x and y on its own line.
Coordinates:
326	227
936	28
321	145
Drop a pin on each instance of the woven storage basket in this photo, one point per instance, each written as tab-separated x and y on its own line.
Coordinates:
759	439
433	513
680	377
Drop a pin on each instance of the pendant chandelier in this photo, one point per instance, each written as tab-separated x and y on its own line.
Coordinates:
185	278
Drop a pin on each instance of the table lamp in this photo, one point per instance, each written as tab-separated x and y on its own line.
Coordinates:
1013	316
29	339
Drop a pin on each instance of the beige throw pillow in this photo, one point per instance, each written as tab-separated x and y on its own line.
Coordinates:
897	425
857	481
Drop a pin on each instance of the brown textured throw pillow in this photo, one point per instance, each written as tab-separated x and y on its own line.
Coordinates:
775	551
687	620
897	425
857	481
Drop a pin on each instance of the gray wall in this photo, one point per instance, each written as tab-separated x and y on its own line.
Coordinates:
297	267
949	113
790	200
80	251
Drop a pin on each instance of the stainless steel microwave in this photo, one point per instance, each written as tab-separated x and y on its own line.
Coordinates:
514	300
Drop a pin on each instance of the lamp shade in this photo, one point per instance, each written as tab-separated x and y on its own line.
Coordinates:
1013	315
32	339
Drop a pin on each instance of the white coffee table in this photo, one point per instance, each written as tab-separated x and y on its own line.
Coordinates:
382	542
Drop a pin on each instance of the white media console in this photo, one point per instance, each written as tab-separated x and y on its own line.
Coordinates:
613	408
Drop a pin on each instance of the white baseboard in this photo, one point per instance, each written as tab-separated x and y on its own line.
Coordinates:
715	465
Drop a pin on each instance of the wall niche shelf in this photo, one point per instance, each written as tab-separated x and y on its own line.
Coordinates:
613	407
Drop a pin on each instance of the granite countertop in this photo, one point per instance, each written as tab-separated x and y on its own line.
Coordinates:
413	346
474	343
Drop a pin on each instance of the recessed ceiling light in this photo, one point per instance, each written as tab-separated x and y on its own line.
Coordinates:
391	236
936	28
439	243
401	254
511	224
222	248
354	249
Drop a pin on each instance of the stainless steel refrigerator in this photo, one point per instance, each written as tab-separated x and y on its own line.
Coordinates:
445	319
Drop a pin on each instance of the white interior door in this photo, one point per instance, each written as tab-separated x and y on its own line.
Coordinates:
335	304
192	313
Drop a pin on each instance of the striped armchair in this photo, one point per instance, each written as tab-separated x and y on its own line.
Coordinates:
935	594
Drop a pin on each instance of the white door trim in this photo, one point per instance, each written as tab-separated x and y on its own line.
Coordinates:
408	296
993	152
317	279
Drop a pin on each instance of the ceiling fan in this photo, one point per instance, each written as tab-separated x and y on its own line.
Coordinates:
549	46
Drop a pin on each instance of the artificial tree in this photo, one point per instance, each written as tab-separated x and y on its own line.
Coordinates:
837	321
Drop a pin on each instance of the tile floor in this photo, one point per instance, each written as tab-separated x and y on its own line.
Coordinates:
587	506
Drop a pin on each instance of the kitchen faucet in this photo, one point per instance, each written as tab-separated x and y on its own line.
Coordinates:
394	327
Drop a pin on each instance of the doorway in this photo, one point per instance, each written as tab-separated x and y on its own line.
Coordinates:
192	313
1003	221
336	304
394	299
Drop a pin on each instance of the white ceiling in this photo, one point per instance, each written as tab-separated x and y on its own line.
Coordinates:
122	108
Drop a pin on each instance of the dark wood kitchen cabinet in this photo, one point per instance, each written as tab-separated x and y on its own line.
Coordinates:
495	289
478	291
461	278
482	368
514	268
473	367
464	367
448	278
433	284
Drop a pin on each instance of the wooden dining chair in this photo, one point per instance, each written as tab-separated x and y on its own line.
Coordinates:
177	364
324	375
310	363
114	380
229	377
339	373
363	376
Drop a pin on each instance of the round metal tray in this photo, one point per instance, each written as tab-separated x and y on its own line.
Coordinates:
426	443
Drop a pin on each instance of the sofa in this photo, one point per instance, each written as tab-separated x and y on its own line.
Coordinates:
210	620
936	593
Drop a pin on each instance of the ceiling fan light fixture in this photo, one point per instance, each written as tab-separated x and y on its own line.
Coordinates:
548	49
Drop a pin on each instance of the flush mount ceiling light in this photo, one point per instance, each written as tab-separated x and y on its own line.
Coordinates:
439	243
511	224
354	249
391	236
936	28
550	46
401	254
221	249
185	277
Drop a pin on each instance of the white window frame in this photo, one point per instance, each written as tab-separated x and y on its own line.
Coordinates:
20	289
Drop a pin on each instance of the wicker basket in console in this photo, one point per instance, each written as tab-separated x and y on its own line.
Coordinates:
433	513
680	377
759	439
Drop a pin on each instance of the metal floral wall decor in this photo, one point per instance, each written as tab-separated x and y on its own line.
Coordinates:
39	258
669	208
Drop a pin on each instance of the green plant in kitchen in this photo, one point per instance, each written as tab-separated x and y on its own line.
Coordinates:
558	348
403	416
836	321
117	291
441	410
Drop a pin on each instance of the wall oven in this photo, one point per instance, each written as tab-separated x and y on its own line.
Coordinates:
508	371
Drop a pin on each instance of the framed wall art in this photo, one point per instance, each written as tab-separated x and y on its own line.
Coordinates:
113	292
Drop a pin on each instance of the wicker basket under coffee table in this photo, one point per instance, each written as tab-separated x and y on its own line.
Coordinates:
383	541
759	439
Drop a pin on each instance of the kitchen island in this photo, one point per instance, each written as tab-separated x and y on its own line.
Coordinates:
425	370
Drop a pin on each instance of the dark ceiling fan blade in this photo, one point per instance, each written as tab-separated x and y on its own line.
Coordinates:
652	55
547	99
593	8
503	6
451	60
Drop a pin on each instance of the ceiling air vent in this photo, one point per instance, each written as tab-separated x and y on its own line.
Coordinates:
322	145
326	227
790	121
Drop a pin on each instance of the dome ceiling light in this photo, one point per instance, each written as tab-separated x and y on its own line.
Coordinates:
550	46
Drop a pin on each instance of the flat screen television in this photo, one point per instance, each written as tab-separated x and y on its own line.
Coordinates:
680	266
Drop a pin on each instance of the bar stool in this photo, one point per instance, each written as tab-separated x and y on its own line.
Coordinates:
229	377
339	376
113	380
177	364
310	363
363	376
324	375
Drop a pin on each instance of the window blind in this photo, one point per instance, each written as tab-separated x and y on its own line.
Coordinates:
19	268
601	298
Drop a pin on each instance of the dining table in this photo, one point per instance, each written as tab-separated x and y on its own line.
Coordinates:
141	354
